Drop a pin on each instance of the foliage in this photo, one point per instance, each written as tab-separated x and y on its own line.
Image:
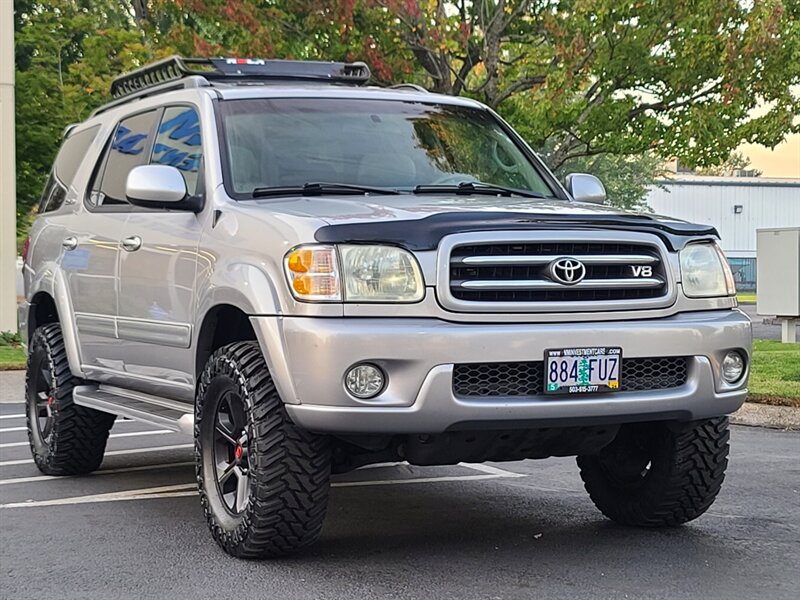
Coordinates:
580	79
626	178
66	52
735	162
10	338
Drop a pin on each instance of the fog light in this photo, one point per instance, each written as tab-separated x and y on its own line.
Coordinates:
732	367
364	381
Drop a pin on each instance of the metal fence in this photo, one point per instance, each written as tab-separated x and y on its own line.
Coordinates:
744	272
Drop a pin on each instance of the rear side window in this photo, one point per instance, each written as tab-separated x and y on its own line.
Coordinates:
129	148
68	160
179	143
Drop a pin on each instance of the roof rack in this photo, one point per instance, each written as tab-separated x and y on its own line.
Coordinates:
233	70
408	86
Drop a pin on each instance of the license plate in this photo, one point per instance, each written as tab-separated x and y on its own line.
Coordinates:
582	370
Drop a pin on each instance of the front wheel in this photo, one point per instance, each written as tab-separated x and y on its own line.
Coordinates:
655	475
263	481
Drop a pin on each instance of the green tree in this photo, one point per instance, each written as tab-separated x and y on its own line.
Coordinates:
604	85
611	76
735	162
66	53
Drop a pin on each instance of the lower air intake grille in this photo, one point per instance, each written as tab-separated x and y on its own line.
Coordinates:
487	380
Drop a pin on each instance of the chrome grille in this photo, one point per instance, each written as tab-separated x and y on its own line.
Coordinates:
488	380
519	272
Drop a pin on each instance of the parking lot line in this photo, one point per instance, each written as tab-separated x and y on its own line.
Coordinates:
113	435
9	429
189	489
38	478
141	494
26	461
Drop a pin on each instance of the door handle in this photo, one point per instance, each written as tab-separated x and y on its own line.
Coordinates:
70	243
132	243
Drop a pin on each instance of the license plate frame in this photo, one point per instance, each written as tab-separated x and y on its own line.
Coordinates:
583	370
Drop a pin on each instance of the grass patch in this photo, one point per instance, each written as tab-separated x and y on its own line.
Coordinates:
746	297
11	358
775	373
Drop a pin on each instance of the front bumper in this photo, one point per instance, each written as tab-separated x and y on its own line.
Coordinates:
308	358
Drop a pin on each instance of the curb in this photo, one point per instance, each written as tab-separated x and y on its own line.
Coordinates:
765	415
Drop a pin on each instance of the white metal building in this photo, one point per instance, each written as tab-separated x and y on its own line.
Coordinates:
736	206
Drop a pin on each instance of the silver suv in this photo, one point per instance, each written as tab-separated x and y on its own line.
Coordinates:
309	275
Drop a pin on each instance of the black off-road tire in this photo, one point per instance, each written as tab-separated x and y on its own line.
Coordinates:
76	435
657	475
288	469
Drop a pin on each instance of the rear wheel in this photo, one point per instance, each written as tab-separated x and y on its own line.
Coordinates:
653	475
263	481
65	439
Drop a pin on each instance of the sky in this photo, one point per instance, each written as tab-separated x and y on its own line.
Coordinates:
782	161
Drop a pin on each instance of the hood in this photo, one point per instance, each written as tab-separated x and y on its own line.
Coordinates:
359	209
418	222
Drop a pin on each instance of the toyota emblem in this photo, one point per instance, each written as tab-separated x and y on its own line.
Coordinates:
566	270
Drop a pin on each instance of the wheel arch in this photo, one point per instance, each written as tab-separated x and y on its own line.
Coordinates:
42	311
222	324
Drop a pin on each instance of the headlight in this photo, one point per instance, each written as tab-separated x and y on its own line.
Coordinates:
313	273
367	274
380	274
705	272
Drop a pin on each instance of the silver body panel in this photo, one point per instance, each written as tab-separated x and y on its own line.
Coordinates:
131	317
419	397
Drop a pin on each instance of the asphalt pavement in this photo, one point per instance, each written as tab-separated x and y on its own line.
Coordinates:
761	330
501	531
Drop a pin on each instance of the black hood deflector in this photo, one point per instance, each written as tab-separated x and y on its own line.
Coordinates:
426	233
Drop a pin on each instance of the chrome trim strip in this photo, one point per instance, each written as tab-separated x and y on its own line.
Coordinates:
543	259
177	335
445	297
544	284
102	325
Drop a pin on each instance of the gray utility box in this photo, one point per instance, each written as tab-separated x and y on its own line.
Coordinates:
778	271
778	277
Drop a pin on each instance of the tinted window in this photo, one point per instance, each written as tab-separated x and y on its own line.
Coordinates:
179	144
68	160
292	141
129	148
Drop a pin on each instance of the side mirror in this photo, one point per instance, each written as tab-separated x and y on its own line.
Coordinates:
158	186
586	188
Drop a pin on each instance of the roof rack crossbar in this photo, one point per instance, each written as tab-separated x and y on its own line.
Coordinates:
176	68
194	81
408	86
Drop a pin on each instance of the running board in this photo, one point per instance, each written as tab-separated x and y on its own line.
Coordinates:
169	414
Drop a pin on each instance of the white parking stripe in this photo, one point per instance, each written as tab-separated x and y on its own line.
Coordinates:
26	461
418	480
9	429
38	478
189	489
113	435
489	469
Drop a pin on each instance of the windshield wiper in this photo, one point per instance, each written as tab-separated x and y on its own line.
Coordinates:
475	187
318	188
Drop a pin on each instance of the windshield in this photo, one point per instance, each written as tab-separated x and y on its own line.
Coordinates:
289	142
